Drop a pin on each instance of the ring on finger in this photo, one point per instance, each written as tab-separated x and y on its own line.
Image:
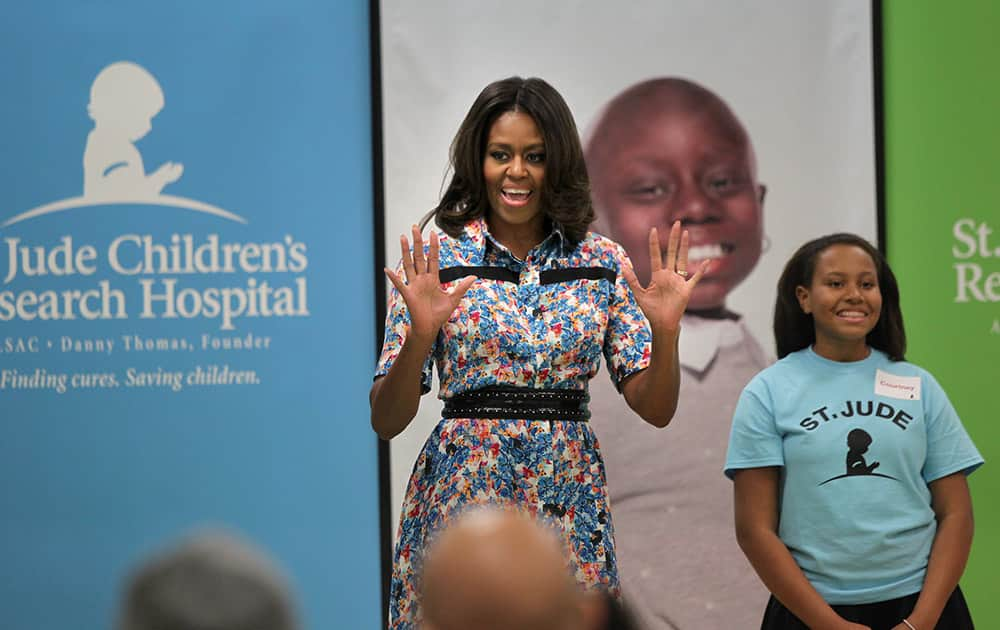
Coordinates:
683	273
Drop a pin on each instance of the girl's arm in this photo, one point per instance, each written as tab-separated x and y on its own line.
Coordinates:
952	506
756	508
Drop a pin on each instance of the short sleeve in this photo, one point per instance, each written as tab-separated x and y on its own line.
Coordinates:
949	447
628	340
754	440
397	324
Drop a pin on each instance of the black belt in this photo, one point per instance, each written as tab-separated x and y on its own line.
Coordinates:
519	403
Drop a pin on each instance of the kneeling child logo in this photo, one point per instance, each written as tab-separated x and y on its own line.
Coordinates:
124	99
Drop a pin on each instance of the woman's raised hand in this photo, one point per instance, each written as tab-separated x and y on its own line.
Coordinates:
429	304
670	283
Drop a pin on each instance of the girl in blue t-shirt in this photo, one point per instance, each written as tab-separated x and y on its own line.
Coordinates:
882	542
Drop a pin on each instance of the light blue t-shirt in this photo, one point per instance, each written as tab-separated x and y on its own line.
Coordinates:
857	444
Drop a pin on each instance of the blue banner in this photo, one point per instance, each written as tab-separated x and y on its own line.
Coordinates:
185	291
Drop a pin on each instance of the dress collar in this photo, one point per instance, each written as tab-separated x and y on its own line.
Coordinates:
478	232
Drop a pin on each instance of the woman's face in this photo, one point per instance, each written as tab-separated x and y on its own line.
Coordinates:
514	170
844	300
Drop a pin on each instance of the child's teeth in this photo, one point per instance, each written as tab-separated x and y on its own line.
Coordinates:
700	252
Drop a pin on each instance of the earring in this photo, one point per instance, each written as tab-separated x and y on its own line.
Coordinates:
765	245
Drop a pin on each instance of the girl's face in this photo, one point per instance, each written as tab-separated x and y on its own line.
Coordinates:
844	300
514	170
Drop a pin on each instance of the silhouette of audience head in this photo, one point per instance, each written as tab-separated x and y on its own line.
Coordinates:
494	569
212	581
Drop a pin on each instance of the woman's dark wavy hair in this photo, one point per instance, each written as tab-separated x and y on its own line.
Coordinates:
566	190
795	330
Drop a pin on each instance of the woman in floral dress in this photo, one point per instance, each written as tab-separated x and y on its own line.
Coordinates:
515	301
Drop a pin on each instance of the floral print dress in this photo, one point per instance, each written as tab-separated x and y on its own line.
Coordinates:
543	322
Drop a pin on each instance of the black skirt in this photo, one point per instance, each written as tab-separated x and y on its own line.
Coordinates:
877	616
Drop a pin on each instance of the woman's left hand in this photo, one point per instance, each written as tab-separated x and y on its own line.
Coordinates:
670	282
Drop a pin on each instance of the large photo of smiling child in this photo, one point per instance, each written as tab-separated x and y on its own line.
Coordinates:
665	150
688	111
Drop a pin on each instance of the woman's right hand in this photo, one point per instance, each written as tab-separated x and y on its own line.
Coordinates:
429	304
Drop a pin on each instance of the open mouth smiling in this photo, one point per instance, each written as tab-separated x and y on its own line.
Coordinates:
516	196
852	315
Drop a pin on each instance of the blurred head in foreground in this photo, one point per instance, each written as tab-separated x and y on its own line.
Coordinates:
496	569
211	581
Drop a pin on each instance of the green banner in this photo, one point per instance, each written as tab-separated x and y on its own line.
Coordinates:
942	132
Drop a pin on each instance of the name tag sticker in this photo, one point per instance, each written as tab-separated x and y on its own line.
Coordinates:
901	387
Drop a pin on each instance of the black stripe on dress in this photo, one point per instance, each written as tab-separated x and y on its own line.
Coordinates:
489	273
552	276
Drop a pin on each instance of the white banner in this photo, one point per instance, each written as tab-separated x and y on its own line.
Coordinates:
798	75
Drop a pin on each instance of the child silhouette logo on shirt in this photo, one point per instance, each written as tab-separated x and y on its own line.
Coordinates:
858	442
124	100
